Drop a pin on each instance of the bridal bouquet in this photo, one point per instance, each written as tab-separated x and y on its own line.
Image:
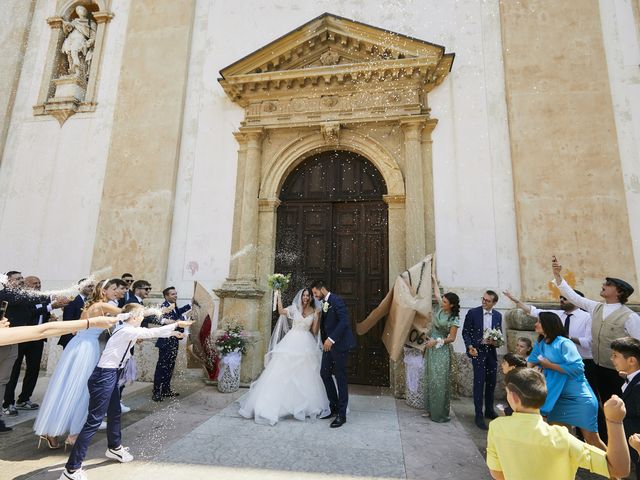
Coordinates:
278	283
493	336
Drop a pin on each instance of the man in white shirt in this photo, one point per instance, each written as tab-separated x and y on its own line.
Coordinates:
611	320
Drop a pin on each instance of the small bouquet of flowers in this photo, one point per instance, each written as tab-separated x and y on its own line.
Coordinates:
233	339
492	336
278	283
231	344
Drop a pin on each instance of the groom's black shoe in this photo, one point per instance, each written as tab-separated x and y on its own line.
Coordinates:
490	414
338	422
480	423
329	415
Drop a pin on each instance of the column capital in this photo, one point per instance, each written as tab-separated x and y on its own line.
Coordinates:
268	204
394	201
412	127
251	133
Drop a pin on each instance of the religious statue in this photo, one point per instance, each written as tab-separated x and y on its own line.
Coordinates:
78	44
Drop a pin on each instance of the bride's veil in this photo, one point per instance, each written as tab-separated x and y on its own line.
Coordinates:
283	324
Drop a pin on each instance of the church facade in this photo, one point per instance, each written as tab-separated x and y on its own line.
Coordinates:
220	142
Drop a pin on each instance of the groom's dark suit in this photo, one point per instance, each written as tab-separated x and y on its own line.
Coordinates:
336	326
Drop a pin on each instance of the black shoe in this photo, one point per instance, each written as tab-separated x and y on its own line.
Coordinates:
329	415
157	398
338	422
171	394
490	415
480	423
5	429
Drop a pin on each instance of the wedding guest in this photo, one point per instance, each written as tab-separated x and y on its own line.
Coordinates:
523	346
104	395
509	362
31	353
439	353
64	407
483	354
570	400
621	321
524	447
140	289
74	309
127	278
576	322
626	358
167	347
19	312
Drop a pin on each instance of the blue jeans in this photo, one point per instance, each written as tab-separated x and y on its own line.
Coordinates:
104	398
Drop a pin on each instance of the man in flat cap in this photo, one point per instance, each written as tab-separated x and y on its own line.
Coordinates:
621	321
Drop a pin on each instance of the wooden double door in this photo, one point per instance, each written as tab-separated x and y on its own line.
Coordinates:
333	225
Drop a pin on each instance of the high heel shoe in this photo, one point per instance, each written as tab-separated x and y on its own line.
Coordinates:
52	443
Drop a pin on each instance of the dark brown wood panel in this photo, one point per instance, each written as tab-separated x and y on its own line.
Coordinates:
332	225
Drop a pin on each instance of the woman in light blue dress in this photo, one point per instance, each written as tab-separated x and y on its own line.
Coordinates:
66	401
570	400
445	322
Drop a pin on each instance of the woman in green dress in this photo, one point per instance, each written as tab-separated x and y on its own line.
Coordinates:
439	353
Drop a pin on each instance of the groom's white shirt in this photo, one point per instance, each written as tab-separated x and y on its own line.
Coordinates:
326	299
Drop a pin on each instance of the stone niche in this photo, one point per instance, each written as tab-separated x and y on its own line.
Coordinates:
330	84
72	69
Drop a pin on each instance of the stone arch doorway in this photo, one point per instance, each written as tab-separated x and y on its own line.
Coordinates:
333	224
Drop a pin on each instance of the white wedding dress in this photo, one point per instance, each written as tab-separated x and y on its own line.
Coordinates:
290	384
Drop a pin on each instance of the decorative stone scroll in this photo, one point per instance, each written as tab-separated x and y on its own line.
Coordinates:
70	80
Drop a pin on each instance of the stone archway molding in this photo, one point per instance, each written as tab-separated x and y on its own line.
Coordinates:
298	150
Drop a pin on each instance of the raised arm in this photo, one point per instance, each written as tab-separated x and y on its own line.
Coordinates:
10	336
281	309
567	291
519	304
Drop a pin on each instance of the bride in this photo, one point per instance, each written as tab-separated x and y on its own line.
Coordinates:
290	383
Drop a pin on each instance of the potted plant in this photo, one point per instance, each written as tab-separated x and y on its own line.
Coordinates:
231	344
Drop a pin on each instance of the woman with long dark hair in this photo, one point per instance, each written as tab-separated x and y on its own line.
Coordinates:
438	354
570	400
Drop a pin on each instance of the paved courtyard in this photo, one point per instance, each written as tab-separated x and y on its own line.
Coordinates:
201	436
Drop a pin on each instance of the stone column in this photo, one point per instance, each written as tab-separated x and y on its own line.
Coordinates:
427	179
249	224
237	207
415	240
397	265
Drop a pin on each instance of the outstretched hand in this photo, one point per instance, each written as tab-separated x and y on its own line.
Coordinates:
510	296
557	268
184	323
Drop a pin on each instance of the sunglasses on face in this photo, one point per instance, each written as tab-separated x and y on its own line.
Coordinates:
129	281
562	299
146	288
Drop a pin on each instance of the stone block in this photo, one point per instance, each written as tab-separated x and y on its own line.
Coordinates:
516	319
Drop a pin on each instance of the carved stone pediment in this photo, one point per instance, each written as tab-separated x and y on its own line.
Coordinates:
333	63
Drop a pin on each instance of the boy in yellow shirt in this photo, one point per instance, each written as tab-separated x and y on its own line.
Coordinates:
523	446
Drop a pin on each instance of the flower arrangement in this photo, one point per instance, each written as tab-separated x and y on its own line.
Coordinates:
493	336
233	339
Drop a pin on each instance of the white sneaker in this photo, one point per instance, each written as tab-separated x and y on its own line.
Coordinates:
124	408
103	426
77	475
121	454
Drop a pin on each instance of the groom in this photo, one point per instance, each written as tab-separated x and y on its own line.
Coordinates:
337	338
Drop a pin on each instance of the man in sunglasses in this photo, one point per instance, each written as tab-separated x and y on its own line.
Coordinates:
611	320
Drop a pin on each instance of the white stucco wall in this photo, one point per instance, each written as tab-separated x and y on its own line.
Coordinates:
51	177
622	48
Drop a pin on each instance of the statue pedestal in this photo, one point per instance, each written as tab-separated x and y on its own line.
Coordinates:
70	92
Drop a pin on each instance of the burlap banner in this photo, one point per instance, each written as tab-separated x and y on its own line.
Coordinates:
203	318
408	310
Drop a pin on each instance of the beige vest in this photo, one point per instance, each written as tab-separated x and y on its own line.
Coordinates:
605	331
